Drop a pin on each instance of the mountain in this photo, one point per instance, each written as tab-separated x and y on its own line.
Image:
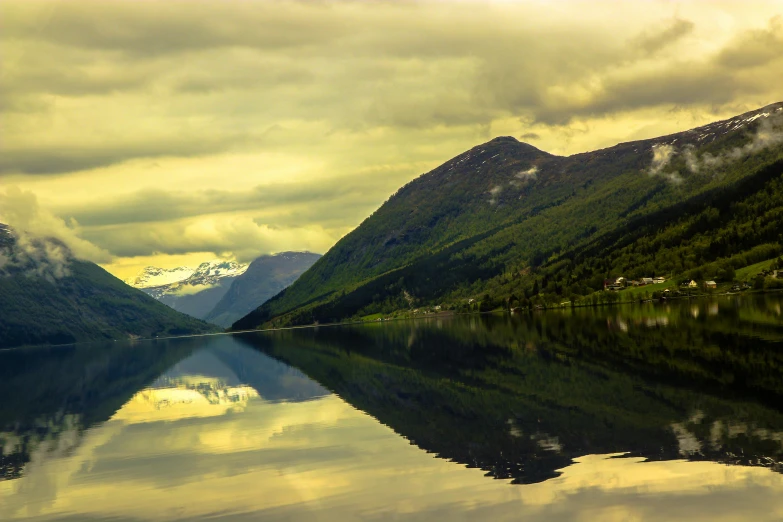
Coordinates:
49	297
69	389
192	291
265	277
152	277
506	221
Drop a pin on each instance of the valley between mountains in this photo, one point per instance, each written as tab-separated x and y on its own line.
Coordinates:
219	291
502	226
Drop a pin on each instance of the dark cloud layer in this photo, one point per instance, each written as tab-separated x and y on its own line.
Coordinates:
337	90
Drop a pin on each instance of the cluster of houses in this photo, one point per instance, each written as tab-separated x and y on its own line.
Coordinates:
693	284
621	282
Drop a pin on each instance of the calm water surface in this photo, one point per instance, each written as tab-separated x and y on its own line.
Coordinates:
641	413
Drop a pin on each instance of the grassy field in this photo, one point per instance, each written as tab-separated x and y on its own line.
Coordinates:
749	272
639	291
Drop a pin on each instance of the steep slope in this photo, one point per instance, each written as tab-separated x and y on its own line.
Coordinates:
265	277
48	297
506	210
192	291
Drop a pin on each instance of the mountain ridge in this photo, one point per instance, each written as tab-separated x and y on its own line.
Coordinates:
192	291
47	296
531	205
264	277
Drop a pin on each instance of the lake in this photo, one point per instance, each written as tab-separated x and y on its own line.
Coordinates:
629	413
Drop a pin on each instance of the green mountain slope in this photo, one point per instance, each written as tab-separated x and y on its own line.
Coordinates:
47	297
505	218
265	277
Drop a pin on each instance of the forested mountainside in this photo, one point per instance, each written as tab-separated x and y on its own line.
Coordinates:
265	277
507	221
49	297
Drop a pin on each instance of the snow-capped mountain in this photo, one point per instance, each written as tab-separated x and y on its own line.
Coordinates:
153	276
265	277
213	271
193	291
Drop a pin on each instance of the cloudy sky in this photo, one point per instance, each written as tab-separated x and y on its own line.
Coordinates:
172	132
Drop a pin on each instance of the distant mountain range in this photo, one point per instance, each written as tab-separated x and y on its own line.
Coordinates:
192	291
264	278
49	297
222	291
508	223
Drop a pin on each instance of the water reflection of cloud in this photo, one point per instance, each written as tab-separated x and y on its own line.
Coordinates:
324	460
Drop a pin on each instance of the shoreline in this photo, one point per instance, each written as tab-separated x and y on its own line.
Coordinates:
452	313
435	315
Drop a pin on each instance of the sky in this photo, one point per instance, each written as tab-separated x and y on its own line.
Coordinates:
172	132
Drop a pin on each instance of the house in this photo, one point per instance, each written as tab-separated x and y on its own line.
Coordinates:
659	280
711	284
693	284
647	280
620	281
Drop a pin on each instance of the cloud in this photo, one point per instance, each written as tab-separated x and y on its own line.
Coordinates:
494	193
651	42
20	210
190	289
529	136
35	257
691	159
225	236
337	195
768	133
754	48
56	159
662	155
224	97
527	175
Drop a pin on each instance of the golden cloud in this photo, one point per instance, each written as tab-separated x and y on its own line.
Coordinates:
200	107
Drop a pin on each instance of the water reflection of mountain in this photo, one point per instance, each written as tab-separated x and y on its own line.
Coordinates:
54	394
520	397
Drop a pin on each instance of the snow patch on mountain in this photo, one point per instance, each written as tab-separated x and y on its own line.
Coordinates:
174	280
153	276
